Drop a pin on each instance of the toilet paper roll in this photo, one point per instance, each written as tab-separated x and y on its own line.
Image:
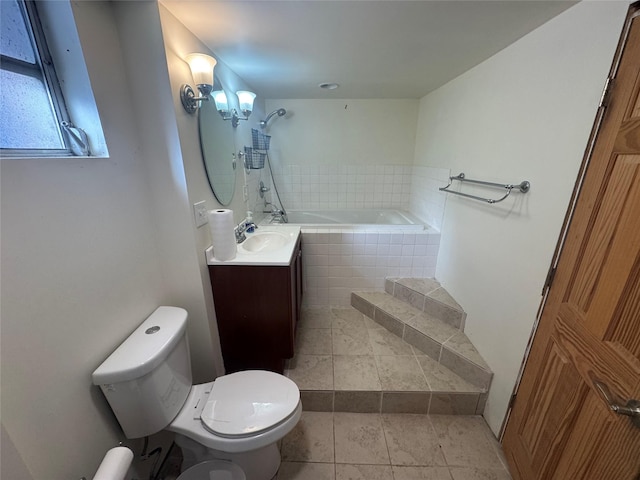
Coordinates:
115	464
223	238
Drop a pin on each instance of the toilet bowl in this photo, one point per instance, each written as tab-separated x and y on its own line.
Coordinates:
220	421
239	417
213	470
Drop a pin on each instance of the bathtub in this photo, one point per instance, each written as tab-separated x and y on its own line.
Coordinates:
352	250
362	219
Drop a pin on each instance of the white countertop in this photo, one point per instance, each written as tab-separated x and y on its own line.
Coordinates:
281	256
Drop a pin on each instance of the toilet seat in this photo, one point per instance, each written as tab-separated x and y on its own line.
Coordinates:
188	423
230	412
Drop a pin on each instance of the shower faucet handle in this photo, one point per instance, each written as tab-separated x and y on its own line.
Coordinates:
263	189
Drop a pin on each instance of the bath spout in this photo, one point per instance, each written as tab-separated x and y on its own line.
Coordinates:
279	215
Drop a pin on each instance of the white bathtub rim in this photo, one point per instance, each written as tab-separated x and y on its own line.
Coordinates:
419	226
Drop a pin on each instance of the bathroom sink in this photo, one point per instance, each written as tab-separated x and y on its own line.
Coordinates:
262	242
269	245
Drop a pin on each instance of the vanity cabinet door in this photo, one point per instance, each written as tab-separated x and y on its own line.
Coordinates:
257	308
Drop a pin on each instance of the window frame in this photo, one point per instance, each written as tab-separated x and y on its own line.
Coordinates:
44	70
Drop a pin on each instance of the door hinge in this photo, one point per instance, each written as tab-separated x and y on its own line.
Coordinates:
549	280
512	400
606	91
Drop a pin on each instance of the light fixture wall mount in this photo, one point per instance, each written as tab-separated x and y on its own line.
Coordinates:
245	102
202	67
189	100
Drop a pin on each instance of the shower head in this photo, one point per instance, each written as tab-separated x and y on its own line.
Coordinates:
281	112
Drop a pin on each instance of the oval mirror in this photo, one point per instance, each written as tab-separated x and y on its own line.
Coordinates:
218	150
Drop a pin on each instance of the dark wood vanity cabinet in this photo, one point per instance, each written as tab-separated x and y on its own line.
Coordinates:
257	309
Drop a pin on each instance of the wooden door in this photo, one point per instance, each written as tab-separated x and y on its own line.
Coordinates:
561	427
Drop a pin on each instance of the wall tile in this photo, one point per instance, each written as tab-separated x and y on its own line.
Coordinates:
339	261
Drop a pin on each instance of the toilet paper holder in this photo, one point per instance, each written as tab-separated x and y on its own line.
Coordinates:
115	464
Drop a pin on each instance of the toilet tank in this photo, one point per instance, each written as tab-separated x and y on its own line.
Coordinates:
147	379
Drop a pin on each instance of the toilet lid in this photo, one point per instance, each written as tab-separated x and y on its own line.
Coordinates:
246	403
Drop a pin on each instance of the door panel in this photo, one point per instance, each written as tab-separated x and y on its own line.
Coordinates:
560	426
598	243
622	329
592	426
551	407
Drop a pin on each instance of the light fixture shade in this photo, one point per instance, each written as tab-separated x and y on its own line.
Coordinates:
201	68
220	98
245	98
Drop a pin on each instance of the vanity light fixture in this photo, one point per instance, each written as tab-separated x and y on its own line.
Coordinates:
222	103
202	71
245	100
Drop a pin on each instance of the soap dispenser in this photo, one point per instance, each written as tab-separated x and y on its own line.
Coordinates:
249	222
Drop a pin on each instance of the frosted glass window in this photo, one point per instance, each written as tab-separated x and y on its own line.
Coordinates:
25	122
31	104
16	41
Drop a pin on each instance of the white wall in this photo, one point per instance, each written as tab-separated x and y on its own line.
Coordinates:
339	131
90	247
165	171
524	114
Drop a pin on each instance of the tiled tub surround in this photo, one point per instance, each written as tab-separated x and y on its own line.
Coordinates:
319	187
424	328
339	261
402	187
347	362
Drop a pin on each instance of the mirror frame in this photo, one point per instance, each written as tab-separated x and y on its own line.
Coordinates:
217	146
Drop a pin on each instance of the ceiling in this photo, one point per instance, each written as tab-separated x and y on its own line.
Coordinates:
373	49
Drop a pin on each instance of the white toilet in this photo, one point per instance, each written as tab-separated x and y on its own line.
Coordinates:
239	417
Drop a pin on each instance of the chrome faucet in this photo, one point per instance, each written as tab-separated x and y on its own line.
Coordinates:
240	230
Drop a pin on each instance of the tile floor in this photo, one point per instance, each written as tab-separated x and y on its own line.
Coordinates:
367	446
346	358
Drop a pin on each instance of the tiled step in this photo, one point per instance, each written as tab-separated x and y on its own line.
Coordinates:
441	341
346	362
427	294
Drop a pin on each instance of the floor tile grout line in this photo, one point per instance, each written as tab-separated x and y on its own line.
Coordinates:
333	429
425	379
435	431
386	442
496	446
376	367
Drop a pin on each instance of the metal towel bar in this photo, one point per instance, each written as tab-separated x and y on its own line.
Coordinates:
523	187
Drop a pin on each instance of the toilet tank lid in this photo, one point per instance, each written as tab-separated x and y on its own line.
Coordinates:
147	347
